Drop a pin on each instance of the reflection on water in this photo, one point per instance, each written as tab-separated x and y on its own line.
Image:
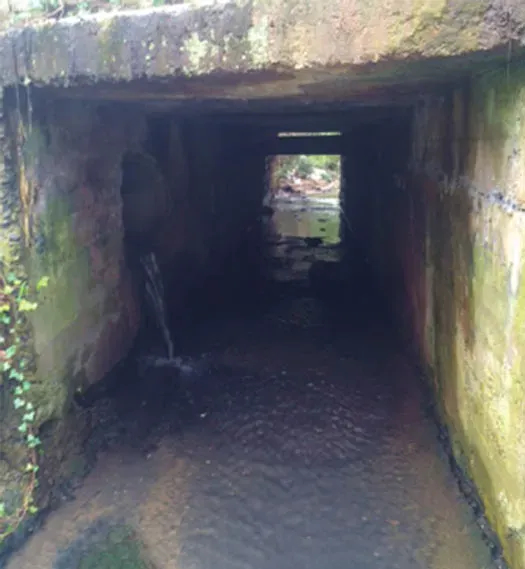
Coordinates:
307	217
301	231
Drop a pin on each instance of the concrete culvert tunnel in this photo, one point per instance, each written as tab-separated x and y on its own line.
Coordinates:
268	413
276	331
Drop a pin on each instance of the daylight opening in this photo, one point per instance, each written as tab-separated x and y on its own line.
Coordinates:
303	192
296	134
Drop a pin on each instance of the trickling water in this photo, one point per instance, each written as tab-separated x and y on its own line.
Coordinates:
155	293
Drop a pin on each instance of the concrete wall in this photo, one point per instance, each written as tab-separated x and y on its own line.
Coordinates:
216	185
62	218
376	206
88	317
299	46
463	282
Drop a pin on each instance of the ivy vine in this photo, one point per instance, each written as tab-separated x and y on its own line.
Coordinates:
16	300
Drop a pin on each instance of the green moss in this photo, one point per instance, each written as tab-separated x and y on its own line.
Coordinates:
497	113
488	423
110	46
201	54
57	236
422	15
258	42
120	550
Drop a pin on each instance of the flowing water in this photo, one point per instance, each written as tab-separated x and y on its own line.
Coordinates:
155	295
304	443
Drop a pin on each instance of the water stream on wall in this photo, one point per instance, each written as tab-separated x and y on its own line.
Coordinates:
156	297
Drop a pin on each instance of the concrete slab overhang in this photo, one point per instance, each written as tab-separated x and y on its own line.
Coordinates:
253	49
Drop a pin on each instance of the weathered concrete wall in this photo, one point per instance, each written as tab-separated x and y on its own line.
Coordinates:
203	193
463	280
227	181
376	206
89	317
215	190
293	47
62	219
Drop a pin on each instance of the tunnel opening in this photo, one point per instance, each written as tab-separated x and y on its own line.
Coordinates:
305	210
303	243
215	232
219	268
281	381
224	287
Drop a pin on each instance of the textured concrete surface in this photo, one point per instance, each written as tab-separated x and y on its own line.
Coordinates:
467	290
284	47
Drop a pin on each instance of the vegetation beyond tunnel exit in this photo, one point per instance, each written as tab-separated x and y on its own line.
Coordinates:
304	192
261	294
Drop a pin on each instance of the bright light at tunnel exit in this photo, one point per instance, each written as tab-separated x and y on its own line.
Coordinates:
312	134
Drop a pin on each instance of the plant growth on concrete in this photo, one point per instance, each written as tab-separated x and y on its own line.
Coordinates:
16	300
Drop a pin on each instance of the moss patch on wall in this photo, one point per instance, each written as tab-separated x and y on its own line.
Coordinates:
476	248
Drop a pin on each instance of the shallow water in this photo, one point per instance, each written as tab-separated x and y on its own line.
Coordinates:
294	220
290	453
307	217
300	441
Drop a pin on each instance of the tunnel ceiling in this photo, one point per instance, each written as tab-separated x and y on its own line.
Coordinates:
392	83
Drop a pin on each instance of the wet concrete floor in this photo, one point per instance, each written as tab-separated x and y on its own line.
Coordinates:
297	442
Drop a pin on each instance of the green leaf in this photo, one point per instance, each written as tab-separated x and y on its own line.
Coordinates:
42	283
18	402
26	386
15	374
5	319
11	277
29	417
7	366
22	364
22	292
5	307
19	390
26	306
29	406
33	441
3	513
23	428
32	510
10	352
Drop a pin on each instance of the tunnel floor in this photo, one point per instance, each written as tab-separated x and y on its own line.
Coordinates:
294	442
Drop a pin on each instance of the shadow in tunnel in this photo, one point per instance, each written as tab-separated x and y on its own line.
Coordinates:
268	408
